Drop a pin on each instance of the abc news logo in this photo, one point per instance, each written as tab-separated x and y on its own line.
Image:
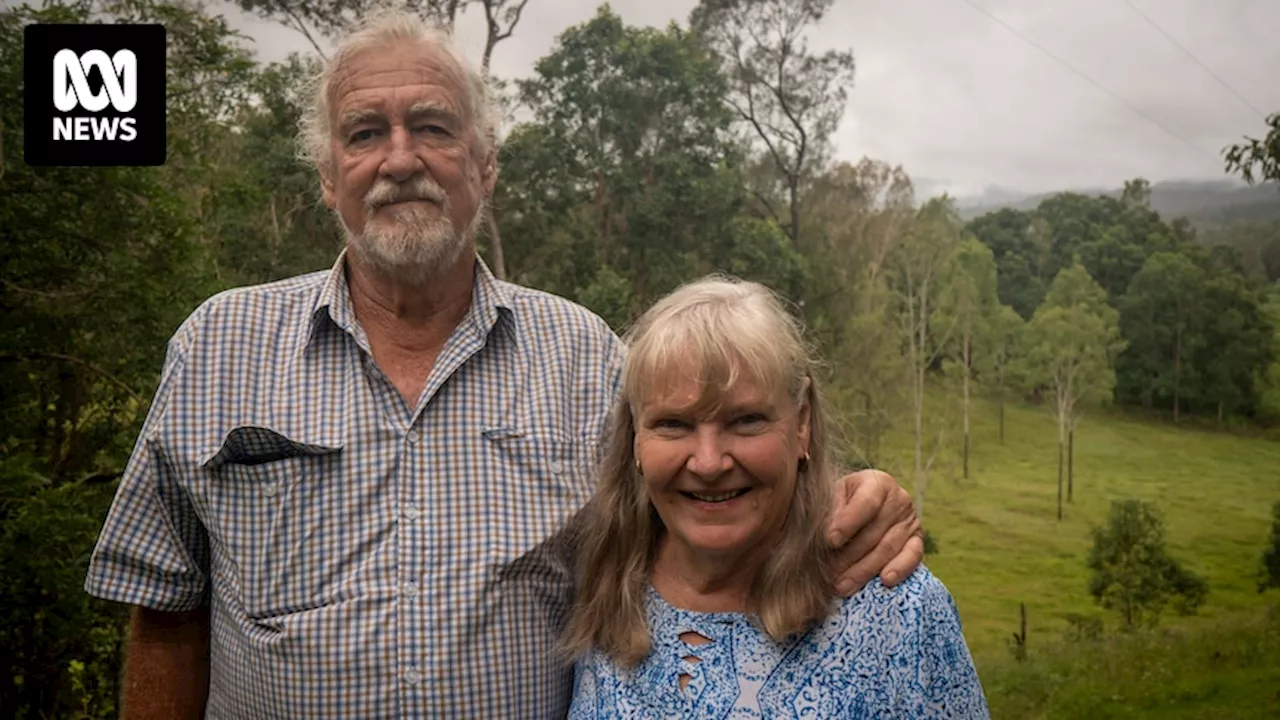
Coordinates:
71	90
95	95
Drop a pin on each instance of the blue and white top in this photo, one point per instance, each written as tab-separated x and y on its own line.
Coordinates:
885	653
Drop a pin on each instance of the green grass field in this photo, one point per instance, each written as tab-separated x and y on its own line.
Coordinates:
1001	544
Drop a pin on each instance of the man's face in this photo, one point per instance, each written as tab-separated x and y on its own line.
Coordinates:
405	177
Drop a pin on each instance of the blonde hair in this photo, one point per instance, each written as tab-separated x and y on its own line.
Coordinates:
390	24
720	329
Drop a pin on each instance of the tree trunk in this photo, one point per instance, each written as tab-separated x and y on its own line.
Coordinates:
491	222
794	182
495	244
1059	476
1071	454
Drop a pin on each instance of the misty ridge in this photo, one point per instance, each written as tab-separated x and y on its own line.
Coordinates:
1205	203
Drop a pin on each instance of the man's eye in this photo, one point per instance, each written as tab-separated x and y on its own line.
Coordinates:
433	129
363	135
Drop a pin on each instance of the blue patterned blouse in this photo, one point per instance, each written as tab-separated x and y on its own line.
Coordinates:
886	653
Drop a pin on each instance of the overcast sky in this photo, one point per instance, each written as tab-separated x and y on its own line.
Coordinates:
965	104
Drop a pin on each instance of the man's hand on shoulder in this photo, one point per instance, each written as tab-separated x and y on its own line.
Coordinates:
876	529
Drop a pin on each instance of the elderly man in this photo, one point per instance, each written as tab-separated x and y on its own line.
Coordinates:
351	495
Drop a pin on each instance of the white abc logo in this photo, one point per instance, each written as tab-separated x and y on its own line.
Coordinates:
119	80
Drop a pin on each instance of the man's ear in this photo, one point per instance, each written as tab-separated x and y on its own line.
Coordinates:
327	190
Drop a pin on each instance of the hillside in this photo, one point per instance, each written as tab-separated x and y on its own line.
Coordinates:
1206	204
1000	544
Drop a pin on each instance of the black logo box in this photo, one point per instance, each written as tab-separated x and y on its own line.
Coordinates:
150	145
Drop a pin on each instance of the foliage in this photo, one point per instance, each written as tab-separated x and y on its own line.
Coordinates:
1257	159
790	100
1132	572
629	164
63	646
1225	669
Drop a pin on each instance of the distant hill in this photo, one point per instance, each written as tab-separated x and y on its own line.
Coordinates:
1206	204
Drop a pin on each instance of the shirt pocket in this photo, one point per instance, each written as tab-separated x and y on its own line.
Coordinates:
541	479
269	511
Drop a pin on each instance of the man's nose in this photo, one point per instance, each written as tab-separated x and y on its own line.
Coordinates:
401	162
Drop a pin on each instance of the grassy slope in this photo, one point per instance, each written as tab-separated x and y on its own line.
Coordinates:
1001	543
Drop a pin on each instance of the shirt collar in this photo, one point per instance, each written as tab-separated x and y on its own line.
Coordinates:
490	297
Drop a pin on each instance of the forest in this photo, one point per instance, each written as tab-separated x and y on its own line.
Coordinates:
646	157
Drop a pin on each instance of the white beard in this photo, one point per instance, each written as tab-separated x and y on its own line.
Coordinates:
414	247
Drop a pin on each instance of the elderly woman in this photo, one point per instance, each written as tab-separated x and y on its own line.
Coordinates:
705	589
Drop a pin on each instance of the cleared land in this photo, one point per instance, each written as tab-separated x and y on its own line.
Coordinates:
1001	544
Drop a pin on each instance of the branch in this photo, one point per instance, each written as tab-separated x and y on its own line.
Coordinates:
768	206
302	28
82	363
63	295
515	19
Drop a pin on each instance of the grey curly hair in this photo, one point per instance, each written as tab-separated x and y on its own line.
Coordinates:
385	26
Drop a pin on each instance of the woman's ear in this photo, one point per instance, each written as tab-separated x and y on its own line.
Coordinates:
804	426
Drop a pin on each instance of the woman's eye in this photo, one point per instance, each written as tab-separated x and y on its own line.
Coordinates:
751	419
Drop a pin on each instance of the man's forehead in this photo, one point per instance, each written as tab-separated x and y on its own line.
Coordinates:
401	77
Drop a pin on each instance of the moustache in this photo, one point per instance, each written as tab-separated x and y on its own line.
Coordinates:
386	192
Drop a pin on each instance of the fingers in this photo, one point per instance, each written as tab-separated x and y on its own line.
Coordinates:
860	497
896	550
906	562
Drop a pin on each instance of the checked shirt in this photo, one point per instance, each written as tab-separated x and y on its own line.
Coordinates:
363	558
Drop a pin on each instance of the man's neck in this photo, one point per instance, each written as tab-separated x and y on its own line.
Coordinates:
408	324
705	583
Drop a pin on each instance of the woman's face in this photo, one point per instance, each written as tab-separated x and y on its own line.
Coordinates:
722	484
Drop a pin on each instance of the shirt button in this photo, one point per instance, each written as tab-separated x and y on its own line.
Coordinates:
411	512
414	436
409	589
269	489
413	677
557	467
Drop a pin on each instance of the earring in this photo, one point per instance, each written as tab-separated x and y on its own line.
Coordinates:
638	470
803	464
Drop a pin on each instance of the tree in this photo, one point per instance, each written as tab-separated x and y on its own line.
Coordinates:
100	266
1269	572
1131	571
790	100
1159	320
1006	328
1257	159
1070	346
969	304
628	164
856	215
916	268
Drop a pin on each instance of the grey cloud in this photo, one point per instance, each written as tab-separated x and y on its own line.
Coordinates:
963	104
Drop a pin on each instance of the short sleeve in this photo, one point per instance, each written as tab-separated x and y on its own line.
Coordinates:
152	549
950	680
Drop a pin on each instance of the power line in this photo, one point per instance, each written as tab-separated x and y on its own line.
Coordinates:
1088	79
1191	55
